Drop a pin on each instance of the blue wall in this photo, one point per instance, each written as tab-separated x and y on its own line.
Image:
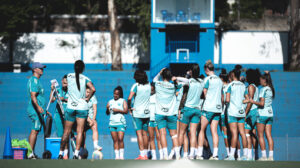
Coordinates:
13	103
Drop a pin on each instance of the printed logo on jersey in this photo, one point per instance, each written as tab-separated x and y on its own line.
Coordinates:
146	111
165	110
74	104
241	111
270	111
218	106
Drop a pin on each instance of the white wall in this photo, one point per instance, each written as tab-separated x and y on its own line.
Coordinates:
254	48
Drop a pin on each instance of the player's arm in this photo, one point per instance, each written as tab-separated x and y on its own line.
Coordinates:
107	109
33	96
261	102
93	90
131	95
52	93
251	91
125	109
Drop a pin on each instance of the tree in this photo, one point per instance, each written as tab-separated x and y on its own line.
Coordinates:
249	9
15	20
294	61
115	36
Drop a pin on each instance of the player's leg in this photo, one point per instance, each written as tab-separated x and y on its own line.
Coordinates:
162	125
137	122
159	146
241	129
234	138
121	143
201	136
114	136
270	140
193	139
261	139
172	127
65	137
96	136
151	130
35	129
145	136
80	137
214	131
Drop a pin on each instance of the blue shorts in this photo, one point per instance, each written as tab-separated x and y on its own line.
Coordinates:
169	122
35	121
117	128
71	115
251	118
58	124
152	124
190	115
265	120
211	116
140	123
232	119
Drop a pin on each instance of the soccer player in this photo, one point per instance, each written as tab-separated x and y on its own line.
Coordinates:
152	129
141	92
165	113
91	119
265	115
77	107
36	109
223	122
59	117
191	112
116	108
252	78
235	95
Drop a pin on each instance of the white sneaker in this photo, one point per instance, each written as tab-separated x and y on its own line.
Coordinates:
270	159
199	158
230	158
191	157
263	159
166	158
214	158
244	158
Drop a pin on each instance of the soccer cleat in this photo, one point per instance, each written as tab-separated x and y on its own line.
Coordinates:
75	157
33	157
66	157
270	159
165	158
99	148
199	158
140	158
60	157
263	159
244	158
214	158
230	158
191	157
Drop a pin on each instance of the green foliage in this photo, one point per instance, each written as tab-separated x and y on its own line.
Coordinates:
221	9
16	17
249	9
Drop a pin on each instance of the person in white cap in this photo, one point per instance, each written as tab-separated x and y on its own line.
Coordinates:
37	104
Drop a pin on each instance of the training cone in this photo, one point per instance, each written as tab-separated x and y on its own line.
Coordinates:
8	153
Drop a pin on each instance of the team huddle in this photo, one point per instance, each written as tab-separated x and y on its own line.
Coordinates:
185	105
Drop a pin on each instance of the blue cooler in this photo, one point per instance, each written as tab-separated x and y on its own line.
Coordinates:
53	145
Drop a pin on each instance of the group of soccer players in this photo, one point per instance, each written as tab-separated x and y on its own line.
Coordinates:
184	105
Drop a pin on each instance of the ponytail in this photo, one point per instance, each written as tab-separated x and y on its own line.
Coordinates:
270	83
195	72
78	67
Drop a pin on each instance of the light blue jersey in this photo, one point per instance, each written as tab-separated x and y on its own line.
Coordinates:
267	94
76	99
152	107
92	101
34	85
255	97
178	99
237	92
165	98
141	100
116	118
213	97
194	93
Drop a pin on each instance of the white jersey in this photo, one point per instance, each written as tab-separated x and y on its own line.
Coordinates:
141	100
92	101
194	93
76	99
116	118
213	97
255	97
165	98
237	92
152	107
266	93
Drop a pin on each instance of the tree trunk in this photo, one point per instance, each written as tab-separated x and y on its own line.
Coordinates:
294	61
115	37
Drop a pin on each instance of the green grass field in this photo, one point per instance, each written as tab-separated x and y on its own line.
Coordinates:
143	164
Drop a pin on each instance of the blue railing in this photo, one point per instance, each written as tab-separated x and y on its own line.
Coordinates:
165	62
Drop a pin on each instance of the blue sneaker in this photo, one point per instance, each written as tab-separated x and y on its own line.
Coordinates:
230	158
